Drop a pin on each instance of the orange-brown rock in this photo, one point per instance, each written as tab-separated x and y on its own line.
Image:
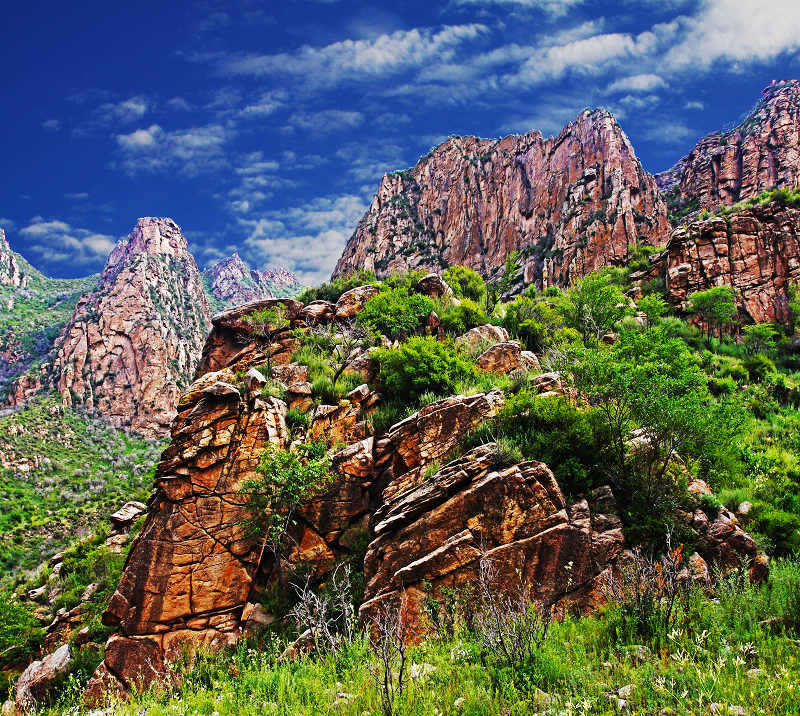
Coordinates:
755	250
427	437
570	204
133	343
435	533
487	334
506	357
352	302
762	153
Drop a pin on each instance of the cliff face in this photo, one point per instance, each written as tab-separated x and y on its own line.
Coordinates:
11	272
133	343
570	204
755	250
231	282
761	153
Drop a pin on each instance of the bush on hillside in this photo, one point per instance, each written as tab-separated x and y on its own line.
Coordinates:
422	365
396	313
332	290
457	320
466	283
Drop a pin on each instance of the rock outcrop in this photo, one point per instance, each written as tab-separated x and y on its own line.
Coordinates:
231	282
762	153
570	204
755	250
434	536
11	270
133	343
36	682
195	576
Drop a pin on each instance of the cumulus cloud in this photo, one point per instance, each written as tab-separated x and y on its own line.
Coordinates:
637	83
56	240
358	59
307	239
193	150
738	32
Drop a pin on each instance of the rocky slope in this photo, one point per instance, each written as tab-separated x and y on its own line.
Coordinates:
570	204
761	153
231	282
755	250
195	576
133	343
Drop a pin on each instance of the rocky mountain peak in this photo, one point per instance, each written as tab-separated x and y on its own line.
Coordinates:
569	204
231	282
11	271
133	342
761	153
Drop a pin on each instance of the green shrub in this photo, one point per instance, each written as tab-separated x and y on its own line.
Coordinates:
758	367
396	313
534	322
780	527
297	419
20	634
422	365
457	320
466	283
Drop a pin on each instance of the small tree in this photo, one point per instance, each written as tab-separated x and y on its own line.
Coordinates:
338	342
388	635
466	283
286	479
760	338
512	272
593	305
654	307
266	324
793	295
714	307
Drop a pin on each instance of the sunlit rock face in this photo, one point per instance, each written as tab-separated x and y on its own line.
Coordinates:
761	153
570	204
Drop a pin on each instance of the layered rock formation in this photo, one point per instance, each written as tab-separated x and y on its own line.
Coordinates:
231	282
133	343
761	153
755	250
11	272
195	575
570	204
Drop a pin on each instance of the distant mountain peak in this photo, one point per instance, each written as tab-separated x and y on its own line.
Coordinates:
12	272
231	282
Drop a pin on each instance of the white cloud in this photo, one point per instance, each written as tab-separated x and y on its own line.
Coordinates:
637	83
77	196
268	103
307	239
193	150
127	111
738	32
51	125
554	8
359	59
7	224
179	104
694	105
325	121
56	240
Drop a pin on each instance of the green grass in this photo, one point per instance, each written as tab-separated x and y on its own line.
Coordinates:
737	649
86	470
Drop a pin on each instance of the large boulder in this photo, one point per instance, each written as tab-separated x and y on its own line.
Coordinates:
352	302
37	681
433	285
482	335
505	357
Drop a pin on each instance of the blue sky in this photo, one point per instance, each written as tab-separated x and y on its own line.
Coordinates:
266	127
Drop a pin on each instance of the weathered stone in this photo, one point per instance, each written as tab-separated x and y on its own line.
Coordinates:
548	382
352	302
433	285
318	312
481	335
39	677
761	153
126	515
233	282
503	358
254	381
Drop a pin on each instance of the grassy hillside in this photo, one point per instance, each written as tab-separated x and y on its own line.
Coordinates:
32	318
61	474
